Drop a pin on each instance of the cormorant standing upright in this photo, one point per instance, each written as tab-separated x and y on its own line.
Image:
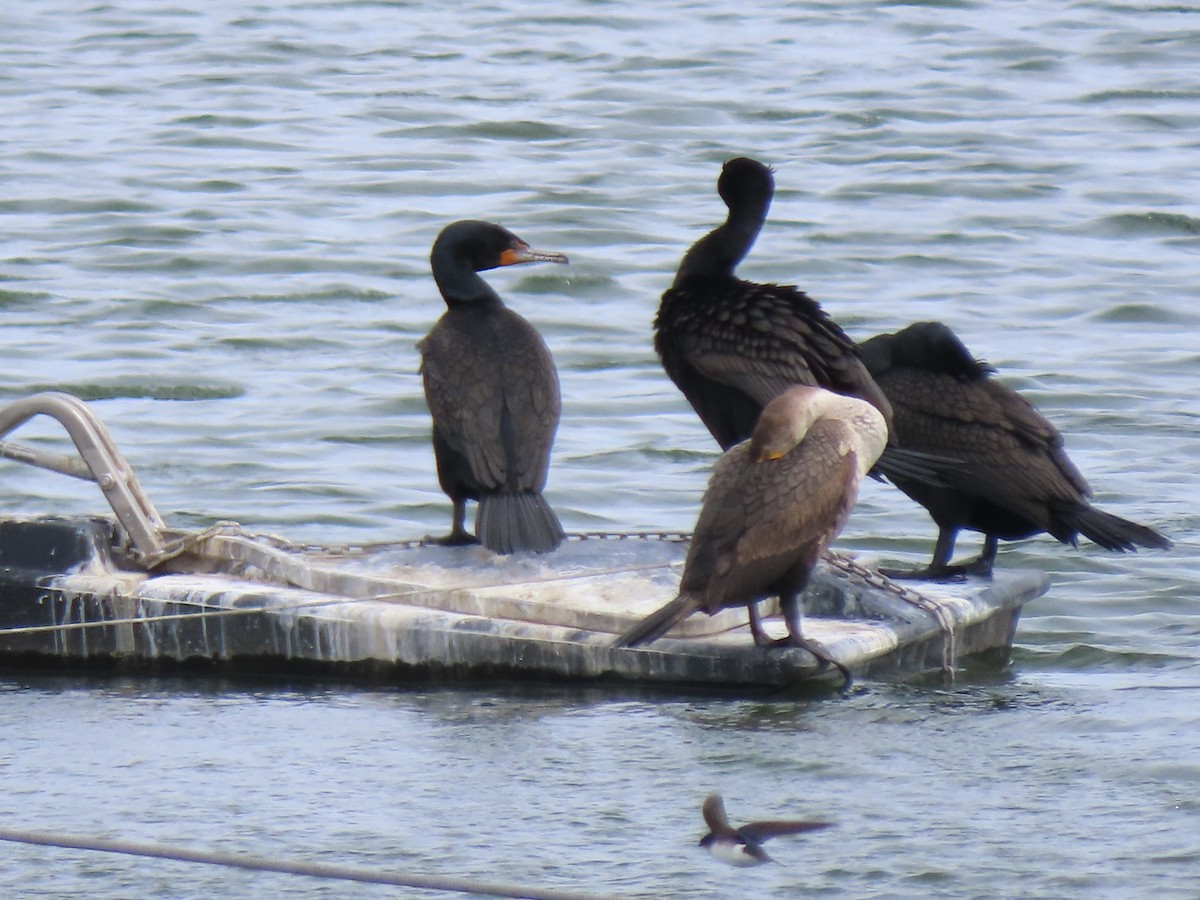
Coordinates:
492	390
731	346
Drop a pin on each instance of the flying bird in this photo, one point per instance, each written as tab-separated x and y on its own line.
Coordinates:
743	846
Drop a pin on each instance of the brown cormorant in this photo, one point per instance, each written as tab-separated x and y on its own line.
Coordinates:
492	390
1013	480
731	345
743	846
772	507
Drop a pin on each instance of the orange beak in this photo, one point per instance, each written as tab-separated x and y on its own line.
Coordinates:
523	253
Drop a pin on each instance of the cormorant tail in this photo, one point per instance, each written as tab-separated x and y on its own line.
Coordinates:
507	523
1111	532
659	622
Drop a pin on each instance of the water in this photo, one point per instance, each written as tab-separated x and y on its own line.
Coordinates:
216	224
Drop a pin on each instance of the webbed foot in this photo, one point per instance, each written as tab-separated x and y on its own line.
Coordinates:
817	649
453	539
945	574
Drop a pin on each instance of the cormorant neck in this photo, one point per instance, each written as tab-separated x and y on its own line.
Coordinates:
718	253
458	281
472	291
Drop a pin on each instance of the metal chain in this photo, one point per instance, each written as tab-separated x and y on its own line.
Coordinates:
414	543
873	578
190	541
675	536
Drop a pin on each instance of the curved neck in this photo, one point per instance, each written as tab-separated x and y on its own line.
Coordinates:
718	252
457	279
463	288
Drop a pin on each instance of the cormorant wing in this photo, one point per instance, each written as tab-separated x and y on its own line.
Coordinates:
532	406
983	421
761	339
497	405
465	402
801	500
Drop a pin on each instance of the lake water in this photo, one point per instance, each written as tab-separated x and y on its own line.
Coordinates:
216	220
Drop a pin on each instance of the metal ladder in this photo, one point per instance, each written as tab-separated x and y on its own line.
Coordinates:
99	461
151	543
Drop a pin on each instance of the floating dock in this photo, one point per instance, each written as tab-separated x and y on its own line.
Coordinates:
129	593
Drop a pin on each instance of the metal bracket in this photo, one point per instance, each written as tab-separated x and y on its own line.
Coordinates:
99	460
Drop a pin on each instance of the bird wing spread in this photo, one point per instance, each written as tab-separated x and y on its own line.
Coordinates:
714	815
760	831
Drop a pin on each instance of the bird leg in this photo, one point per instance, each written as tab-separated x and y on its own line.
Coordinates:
761	638
982	564
790	605
940	569
458	536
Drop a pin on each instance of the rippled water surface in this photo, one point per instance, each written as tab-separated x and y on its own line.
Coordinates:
215	224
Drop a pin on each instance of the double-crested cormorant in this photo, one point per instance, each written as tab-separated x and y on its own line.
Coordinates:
1013	480
772	507
743	846
492	390
731	345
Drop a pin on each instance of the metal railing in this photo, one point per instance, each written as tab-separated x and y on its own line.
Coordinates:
99	461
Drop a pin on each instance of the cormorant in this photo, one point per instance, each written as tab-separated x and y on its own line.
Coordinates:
743	846
731	345
1014	479
772	507
492	390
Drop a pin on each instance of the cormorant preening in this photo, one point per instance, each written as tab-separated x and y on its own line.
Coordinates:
732	345
1013	480
743	846
492	390
772	507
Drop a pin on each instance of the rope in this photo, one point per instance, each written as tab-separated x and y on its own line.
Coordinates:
289	867
926	604
207	612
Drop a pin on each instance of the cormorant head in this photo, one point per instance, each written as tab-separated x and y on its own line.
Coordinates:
746	184
479	246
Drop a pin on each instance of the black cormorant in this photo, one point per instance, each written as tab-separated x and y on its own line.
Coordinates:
1013	478
492	390
731	345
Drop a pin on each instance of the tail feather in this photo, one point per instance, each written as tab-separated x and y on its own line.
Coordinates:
507	523
1112	532
658	622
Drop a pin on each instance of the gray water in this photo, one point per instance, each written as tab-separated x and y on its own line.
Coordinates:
215	224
